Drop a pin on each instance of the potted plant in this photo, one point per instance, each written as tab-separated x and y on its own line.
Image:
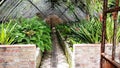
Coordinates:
34	31
22	36
88	35
11	55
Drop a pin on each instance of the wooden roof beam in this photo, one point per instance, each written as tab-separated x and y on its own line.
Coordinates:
113	10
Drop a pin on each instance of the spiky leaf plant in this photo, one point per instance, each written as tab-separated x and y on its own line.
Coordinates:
6	32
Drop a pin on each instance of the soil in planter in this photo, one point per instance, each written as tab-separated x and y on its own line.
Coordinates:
55	58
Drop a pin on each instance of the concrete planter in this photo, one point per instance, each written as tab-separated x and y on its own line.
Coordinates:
38	57
88	55
18	56
66	49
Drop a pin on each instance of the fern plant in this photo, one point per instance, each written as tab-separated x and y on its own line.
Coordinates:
33	31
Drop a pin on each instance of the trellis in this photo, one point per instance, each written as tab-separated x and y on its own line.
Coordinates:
104	58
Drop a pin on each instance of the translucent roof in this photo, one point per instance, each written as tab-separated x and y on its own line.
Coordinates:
29	8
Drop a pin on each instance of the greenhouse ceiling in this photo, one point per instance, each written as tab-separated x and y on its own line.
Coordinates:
68	10
29	8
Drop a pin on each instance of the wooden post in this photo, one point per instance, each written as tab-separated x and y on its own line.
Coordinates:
103	30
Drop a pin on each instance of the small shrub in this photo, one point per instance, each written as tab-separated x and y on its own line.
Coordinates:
33	31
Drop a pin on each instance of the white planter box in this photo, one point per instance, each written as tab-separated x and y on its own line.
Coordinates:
38	57
18	56
88	55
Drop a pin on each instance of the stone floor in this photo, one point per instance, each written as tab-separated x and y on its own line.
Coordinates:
56	58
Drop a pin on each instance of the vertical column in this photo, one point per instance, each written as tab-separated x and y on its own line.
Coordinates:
103	30
115	14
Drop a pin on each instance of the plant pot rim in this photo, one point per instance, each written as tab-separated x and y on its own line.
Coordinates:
108	44
16	45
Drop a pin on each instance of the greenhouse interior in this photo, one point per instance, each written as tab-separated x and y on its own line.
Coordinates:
59	34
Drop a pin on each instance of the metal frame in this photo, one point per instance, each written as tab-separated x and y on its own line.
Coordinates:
104	58
36	8
2	1
18	2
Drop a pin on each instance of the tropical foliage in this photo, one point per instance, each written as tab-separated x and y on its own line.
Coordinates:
33	31
6	32
26	31
89	31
